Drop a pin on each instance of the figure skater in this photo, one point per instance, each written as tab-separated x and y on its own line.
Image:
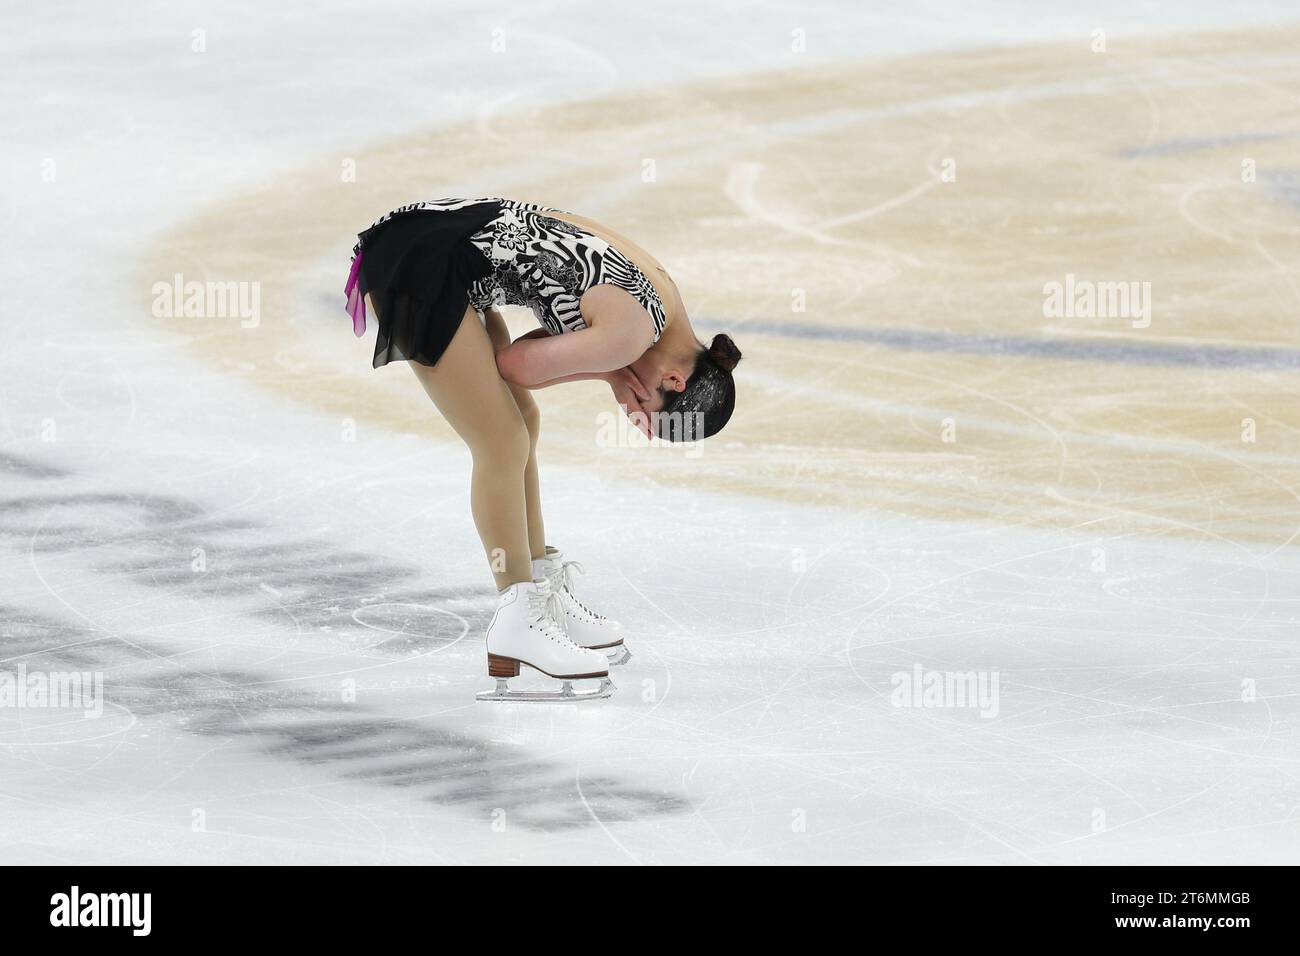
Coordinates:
434	274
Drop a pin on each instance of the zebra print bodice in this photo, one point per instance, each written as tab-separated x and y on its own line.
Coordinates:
547	263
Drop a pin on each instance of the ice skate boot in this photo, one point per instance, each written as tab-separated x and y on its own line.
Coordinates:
524	631
584	626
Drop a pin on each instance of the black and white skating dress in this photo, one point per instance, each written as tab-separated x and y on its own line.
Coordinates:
423	264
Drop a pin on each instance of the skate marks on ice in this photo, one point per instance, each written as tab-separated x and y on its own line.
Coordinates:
281	714
924	296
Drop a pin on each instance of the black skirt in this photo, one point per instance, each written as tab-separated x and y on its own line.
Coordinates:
417	266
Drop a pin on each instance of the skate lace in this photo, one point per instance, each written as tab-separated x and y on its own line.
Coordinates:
546	612
568	578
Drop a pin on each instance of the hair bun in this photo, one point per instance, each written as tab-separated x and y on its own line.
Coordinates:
723	352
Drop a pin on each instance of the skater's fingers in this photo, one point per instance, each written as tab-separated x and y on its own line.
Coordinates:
641	418
628	379
637	415
637	388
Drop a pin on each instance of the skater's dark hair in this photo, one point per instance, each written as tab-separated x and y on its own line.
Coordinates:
709	398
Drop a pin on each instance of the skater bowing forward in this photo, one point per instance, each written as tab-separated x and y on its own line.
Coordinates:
434	273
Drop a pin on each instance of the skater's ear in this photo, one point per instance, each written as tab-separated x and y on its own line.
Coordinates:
674	380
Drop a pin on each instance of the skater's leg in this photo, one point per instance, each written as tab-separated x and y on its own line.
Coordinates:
584	626
532	417
477	403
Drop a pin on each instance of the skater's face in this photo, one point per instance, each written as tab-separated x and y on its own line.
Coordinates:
640	387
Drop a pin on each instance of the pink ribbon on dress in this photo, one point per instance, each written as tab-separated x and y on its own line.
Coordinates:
356	301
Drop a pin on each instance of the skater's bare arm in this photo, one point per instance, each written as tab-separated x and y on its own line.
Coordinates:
537	363
494	316
618	331
575	377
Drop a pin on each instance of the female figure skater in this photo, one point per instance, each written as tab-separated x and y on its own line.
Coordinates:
434	273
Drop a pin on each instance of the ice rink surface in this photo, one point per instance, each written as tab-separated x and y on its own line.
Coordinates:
263	546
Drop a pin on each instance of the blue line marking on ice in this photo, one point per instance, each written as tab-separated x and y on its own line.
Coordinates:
1283	185
1192	144
1022	346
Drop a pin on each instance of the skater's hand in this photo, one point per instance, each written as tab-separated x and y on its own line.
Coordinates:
632	396
626	378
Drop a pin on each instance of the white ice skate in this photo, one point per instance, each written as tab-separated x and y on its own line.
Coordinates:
583	625
524	631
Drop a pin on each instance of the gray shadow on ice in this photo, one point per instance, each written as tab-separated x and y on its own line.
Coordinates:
448	767
150	539
306	584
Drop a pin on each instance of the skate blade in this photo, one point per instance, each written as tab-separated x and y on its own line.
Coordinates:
618	654
565	694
